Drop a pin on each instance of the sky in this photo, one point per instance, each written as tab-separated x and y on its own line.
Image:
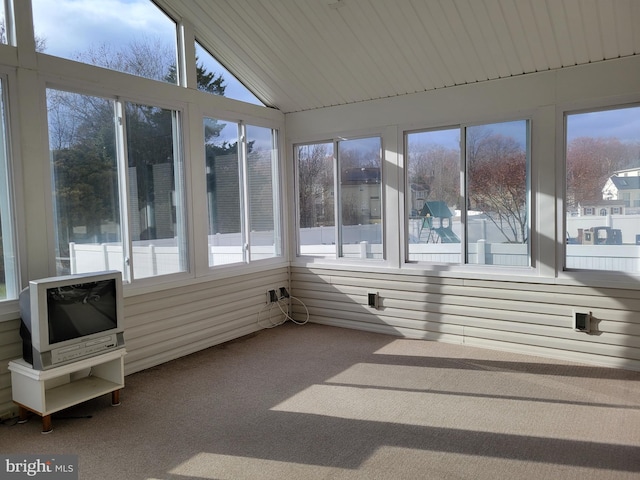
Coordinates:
621	123
115	22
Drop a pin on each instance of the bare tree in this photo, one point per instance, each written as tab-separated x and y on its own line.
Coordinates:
144	57
315	184
591	161
497	182
436	169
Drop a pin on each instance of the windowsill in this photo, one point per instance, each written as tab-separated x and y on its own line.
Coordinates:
600	279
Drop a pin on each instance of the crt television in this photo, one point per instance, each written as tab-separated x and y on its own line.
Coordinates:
71	317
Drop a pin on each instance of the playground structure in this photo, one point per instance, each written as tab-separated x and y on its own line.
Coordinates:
437	224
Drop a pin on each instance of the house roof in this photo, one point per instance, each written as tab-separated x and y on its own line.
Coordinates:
437	209
626	183
305	54
603	203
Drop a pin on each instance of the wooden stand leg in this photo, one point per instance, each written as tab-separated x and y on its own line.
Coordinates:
46	424
115	398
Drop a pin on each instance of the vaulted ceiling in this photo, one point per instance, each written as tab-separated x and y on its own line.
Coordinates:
306	54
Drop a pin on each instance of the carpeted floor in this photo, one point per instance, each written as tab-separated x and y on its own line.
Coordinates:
319	402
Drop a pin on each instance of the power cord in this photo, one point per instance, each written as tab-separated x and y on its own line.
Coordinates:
283	315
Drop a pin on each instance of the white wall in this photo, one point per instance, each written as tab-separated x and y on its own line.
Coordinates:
519	308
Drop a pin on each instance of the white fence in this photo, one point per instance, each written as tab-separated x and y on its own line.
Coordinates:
365	241
151	260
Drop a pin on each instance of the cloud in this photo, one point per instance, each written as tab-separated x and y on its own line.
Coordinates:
69	26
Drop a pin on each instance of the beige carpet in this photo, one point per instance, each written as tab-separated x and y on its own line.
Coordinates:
318	402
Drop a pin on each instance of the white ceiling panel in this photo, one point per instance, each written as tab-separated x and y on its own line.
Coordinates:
306	54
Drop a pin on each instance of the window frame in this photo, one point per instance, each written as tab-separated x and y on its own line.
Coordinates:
123	181
245	216
12	177
596	277
338	256
407	196
464	264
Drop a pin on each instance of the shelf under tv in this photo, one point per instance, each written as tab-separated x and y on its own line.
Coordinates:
45	392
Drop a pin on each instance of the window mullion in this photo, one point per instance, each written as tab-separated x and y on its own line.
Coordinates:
337	198
123	181
178	194
245	205
464	198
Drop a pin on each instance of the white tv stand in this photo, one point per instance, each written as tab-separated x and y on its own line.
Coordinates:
44	392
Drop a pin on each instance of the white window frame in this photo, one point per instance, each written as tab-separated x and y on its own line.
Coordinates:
9	177
123	182
245	217
464	264
337	205
595	277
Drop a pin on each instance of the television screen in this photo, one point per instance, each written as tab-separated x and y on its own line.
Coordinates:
82	309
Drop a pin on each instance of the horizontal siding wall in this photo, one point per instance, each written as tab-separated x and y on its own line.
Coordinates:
521	317
10	348
169	324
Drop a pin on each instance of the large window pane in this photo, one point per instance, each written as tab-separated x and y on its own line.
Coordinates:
156	192
497	165
316	206
214	78
130	36
263	195
360	206
8	260
82	142
602	198
223	192
433	193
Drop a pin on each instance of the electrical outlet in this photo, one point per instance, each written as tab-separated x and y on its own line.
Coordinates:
582	321
272	296
373	299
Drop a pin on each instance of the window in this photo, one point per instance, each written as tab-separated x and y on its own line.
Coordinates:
214	78
316	208
602	163
497	168
99	223
228	162
224	207
130	36
357	206
9	286
156	191
360	231
493	226
433	195
263	194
